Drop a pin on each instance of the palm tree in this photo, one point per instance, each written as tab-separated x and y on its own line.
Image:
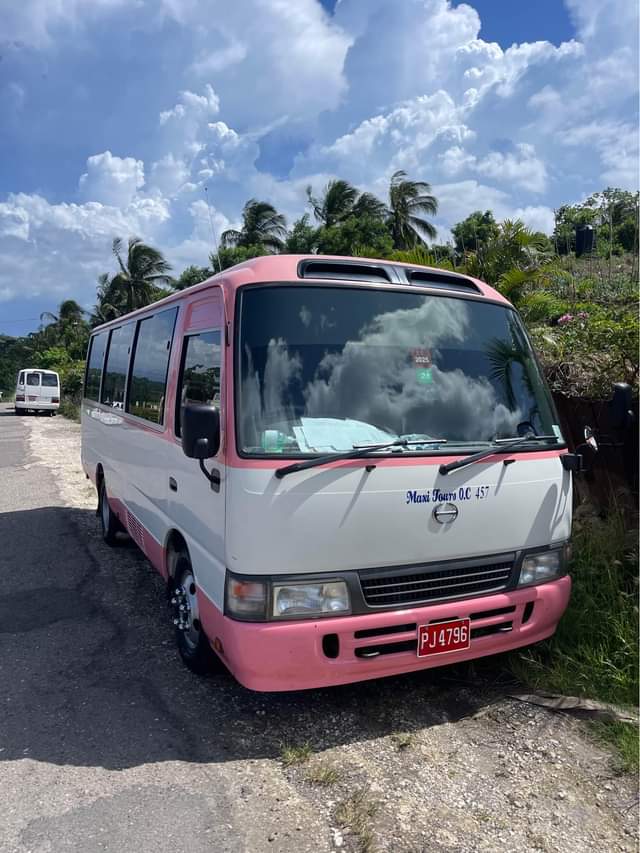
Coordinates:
262	225
66	327
68	312
136	285
336	204
340	200
408	202
510	259
109	304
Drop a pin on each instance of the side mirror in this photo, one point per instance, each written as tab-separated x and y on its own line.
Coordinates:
200	429
620	406
580	461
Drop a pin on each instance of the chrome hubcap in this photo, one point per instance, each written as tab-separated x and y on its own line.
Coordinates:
185	609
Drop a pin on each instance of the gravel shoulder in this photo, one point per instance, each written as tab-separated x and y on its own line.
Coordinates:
108	743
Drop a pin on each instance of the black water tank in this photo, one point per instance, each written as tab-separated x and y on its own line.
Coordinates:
585	240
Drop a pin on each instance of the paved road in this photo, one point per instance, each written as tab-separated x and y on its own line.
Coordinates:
107	743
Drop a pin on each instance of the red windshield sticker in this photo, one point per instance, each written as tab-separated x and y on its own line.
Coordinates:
421	357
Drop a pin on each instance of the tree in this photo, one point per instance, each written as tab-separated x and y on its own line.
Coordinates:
614	215
303	237
136	284
336	203
262	225
340	201
357	235
190	276
67	329
511	259
409	202
474	232
232	255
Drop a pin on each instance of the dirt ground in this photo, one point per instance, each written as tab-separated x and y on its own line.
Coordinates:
108	743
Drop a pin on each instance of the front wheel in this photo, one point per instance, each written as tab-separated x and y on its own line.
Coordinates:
193	645
108	521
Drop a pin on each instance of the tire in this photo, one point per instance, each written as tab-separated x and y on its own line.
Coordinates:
193	645
108	521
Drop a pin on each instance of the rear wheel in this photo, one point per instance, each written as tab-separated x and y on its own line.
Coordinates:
193	645
108	521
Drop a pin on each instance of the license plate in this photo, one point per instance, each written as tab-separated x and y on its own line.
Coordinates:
444	637
32	399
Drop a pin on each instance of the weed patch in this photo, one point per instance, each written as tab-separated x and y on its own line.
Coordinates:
292	755
594	652
356	814
323	774
69	409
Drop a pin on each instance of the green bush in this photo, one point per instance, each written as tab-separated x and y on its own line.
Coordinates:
589	349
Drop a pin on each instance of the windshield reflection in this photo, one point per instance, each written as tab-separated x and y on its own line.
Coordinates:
325	368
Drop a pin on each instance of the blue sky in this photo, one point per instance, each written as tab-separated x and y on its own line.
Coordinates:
117	113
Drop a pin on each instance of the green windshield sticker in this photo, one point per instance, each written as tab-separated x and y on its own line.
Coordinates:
272	441
424	376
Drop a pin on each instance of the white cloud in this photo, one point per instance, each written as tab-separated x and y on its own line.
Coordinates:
192	107
62	248
111	180
34	22
273	95
521	168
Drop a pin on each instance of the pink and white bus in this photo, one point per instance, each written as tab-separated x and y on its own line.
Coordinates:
343	468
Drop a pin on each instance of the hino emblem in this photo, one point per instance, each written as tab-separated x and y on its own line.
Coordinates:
445	513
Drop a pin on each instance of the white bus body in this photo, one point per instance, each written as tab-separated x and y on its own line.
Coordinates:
340	571
37	391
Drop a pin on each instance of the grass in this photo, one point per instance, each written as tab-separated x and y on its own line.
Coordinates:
69	409
292	755
594	652
356	813
323	774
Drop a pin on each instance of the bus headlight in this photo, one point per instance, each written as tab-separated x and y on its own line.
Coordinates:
310	599
542	567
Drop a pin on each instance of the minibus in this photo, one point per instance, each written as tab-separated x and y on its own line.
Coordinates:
342	468
37	391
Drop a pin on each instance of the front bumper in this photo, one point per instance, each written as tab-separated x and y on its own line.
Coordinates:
275	656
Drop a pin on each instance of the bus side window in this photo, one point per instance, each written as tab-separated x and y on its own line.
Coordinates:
21	378
115	371
149	366
95	362
199	380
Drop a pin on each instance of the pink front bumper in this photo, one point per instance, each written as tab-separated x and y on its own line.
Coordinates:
289	655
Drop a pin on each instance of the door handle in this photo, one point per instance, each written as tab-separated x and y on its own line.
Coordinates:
173	484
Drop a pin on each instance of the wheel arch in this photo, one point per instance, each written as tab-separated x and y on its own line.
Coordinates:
175	547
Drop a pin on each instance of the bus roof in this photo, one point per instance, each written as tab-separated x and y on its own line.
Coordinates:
334	270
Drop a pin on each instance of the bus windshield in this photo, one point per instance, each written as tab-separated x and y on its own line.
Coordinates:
323	369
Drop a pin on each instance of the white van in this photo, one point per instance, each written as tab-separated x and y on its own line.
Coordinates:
37	391
343	469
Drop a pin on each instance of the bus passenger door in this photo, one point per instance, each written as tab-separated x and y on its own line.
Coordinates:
197	505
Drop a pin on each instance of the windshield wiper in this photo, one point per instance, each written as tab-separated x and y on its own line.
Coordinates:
357	453
498	446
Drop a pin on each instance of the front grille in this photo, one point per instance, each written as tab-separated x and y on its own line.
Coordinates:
429	584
